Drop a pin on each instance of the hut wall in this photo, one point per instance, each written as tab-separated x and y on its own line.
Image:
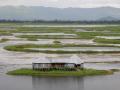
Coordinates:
45	65
69	65
56	65
39	66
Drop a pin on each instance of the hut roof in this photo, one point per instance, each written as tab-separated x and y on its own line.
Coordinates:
42	60
73	59
60	60
76	59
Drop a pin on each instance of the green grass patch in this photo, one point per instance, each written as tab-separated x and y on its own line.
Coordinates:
108	41
47	37
4	40
90	32
25	48
84	72
56	42
5	32
92	35
79	35
44	30
115	29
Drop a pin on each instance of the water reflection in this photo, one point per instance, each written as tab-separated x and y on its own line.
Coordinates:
63	83
15	83
8	82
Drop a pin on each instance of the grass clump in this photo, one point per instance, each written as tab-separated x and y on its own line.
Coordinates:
56	42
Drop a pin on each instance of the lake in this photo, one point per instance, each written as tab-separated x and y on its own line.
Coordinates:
13	60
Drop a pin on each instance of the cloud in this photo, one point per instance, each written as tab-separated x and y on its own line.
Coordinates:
62	3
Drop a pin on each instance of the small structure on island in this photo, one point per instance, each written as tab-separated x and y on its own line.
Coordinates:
73	62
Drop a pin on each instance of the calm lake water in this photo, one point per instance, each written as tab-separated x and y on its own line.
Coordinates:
109	82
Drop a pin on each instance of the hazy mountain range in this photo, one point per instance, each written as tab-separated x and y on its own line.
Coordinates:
49	13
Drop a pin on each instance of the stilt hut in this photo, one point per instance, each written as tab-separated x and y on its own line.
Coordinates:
61	63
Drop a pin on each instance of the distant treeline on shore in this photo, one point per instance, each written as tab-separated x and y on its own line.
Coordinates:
60	21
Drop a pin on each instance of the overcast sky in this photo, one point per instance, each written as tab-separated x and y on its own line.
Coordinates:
62	3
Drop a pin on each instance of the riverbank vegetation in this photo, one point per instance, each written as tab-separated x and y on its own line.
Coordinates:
84	72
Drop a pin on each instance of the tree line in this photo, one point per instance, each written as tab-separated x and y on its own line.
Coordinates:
60	21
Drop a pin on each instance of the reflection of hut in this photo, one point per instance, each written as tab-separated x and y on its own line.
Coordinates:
47	63
54	83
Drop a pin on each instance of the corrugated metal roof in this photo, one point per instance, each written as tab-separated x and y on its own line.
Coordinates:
74	59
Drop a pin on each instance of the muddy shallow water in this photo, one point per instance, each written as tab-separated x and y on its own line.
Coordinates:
109	37
49	41
44	34
80	49
10	57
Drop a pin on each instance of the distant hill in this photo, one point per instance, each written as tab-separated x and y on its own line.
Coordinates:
109	18
50	13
